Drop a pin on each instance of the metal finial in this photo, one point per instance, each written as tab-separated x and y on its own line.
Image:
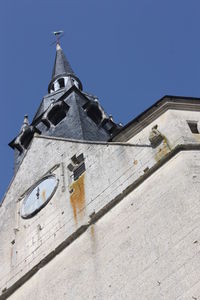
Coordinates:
58	34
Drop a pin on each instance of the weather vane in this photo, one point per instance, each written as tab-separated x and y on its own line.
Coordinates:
58	34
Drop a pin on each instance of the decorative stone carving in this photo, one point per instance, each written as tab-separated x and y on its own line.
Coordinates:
155	136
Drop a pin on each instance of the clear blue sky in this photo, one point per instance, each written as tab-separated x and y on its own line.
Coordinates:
129	53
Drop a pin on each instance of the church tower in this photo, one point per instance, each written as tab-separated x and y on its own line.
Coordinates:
100	211
66	112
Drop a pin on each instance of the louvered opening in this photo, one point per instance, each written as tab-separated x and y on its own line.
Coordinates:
95	114
77	172
57	114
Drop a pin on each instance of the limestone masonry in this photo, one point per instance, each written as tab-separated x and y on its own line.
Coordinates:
96	210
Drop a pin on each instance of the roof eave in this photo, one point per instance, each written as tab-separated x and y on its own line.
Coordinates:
158	108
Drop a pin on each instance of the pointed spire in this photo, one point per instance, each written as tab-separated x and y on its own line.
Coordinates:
62	67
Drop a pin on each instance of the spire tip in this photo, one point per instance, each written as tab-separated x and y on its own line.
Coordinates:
58	47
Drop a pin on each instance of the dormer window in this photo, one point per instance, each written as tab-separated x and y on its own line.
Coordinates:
58	113
93	111
55	114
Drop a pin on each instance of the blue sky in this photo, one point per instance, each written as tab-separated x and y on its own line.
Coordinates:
129	53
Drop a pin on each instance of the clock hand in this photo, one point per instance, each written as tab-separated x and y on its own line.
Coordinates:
38	193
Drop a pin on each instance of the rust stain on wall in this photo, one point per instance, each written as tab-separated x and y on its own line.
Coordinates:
44	195
77	197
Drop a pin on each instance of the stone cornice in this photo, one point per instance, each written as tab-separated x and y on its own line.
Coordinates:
156	110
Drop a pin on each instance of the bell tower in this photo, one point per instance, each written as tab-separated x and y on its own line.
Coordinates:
100	211
66	111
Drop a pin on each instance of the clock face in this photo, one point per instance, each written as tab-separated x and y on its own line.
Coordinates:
38	196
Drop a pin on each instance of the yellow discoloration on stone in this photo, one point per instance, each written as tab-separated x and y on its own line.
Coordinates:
93	236
77	197
92	231
196	136
162	150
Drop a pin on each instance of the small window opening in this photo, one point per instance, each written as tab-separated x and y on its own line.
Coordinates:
193	126
61	82
76	160
26	138
77	166
95	114
78	171
57	114
107	125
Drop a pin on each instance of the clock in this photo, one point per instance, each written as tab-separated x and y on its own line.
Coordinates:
38	196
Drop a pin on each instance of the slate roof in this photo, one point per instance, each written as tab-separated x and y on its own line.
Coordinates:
62	67
67	113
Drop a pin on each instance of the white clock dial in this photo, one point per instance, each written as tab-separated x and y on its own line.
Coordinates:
39	196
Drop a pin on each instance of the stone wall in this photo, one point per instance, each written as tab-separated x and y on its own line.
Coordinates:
118	177
146	247
110	169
